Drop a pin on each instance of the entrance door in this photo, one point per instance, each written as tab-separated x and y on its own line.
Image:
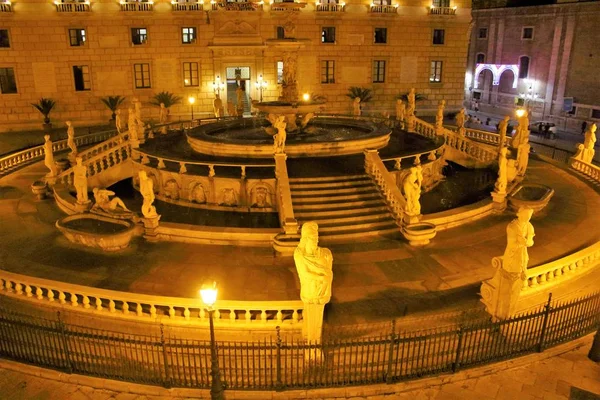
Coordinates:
238	77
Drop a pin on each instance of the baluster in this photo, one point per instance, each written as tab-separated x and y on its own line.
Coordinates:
232	315
39	294
247	316
211	171
50	295
86	301
243	172
161	164
279	316
145	159
111	306
182	168
98	304
186	313
295	316
152	311
28	291
125	308
138	310
534	281
19	288
525	284
61	297
263	315
171	312
74	300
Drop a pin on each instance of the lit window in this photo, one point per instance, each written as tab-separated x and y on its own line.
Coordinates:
328	34
4	39
81	76
527	33
327	71
279	72
141	75
380	35
480	58
77	37
523	67
8	84
139	36
438	36
190	74
188	35
441	3
435	74
483	32
378	71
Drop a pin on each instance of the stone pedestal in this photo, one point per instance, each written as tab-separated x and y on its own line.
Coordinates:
410	123
501	293
83	207
135	143
312	328
39	189
410	219
150	228
499	199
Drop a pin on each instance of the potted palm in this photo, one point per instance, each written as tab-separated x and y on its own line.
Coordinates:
418	97
45	106
364	94
113	103
167	98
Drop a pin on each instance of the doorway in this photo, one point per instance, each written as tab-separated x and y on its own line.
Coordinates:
238	77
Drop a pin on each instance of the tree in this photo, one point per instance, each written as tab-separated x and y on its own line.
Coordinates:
45	106
418	97
113	103
365	94
167	98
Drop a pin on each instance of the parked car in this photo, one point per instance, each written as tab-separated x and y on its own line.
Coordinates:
534	127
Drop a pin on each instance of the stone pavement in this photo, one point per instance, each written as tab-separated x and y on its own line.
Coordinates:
558	374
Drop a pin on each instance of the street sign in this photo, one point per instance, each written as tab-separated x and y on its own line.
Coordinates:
568	104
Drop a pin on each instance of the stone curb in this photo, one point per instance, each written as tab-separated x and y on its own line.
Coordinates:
380	390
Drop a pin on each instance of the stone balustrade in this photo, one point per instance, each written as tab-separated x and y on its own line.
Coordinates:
425	129
284	196
433	10
486	137
5	7
590	170
540	277
72	6
330	7
375	168
140	307
137	6
189	6
384	9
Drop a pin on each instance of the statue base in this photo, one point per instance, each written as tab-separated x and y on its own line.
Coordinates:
410	219
501	293
150	228
313	322
50	179
82	207
410	123
135	143
499	199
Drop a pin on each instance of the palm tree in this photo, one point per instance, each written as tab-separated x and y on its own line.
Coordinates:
44	105
167	98
365	94
418	97
113	103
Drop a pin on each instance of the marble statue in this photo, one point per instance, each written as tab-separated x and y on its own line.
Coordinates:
80	181
289	29
147	191
239	95
314	266
411	103
231	111
306	119
522	134
519	236
439	116
356	107
198	194
218	106
138	111
412	191
502	127
71	138
281	136
105	203
400	110
132	125
119	121
523	157
502	181
49	157
162	114
585	151
289	69
460	122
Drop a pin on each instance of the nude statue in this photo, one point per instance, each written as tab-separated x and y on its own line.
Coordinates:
519	236
80	181
411	102
589	143
49	157
132	125
218	106
460	122
522	134
502	181
314	265
71	138
439	116
147	191
231	111
239	95
400	110
118	121
412	191
502	127
356	107
523	157
105	203
162	114
281	136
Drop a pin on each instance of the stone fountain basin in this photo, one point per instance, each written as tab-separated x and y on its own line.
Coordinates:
531	195
279	107
96	231
419	234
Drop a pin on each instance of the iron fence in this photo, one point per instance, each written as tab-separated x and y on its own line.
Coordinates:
277	365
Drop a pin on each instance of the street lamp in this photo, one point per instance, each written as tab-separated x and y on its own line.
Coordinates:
218	85
209	297
261	85
192	100
306	97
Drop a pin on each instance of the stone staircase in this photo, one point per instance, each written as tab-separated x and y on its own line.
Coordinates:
345	207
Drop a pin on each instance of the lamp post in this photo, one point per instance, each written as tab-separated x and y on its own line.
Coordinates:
209	296
261	85
192	100
218	85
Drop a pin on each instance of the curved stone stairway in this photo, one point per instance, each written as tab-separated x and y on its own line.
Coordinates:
345	207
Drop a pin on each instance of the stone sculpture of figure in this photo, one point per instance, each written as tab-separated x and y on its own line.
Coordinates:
105	203
523	157
147	191
132	125
231	111
281	136
198	194
586	151
522	134
460	122
162	114
400	110
289	70
138	111
80	181
306	119
171	189
289	29
49	156
118	121
411	103
71	138
439	116
314	265
502	181
261	197
228	197
239	95
356	107
502	127
519	236
218	106
412	191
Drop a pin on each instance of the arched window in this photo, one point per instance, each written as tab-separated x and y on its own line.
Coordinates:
480	58
523	67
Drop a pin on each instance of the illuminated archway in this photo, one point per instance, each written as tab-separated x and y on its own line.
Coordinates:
496	71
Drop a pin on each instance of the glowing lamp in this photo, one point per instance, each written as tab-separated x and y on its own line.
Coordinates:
208	293
191	100
520	112
306	97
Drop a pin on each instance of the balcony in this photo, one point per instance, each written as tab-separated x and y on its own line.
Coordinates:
433	10
137	6
287	6
72	6
384	9
331	7
187	6
5	6
237	6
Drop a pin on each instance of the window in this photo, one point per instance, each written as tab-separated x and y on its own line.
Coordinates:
523	67
482	33
436	72
141	76
327	71
380	35
188	35
328	34
480	58
190	74
77	37
527	33
438	36
378	71
8	84
279	72
81	75
4	40
595	114
441	3
573	111
477	95
280	32
139	36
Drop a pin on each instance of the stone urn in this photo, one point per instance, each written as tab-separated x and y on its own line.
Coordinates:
420	233
39	189
62	164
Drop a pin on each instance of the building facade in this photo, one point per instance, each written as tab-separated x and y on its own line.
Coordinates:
543	57
77	52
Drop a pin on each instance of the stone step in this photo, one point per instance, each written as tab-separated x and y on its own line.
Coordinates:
347	220
327	200
322	179
367	226
305	215
333	237
343	205
327	185
321	192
